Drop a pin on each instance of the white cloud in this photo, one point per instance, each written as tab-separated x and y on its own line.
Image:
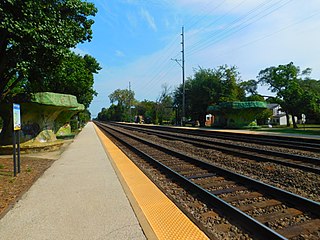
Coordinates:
150	20
132	20
283	36
119	53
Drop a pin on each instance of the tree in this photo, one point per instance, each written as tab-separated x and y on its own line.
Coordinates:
84	117
311	99
125	99
250	87
230	84
74	75
209	86
35	35
165	106
103	115
147	109
286	82
113	113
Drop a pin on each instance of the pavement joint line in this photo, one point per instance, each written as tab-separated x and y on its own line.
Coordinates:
159	217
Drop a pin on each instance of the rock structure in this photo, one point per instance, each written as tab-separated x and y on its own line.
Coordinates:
44	117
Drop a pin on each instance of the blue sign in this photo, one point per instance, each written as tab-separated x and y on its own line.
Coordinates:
16	117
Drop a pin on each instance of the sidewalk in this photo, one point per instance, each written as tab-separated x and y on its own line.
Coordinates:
78	197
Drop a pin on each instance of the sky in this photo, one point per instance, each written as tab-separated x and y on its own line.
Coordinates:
138	42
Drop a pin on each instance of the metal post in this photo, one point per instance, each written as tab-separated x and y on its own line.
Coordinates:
14	155
183	84
18	144
130	117
183	117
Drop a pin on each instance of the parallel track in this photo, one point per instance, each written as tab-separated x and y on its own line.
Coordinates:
220	188
301	143
305	163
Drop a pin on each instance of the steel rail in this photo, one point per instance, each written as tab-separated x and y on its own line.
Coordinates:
241	218
229	148
301	143
224	208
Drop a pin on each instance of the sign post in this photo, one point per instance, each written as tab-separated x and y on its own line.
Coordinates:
16	138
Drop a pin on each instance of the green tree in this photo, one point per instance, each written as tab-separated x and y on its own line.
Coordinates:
286	82
250	87
209	86
165	106
74	75
37	35
147	109
311	96
125	100
84	117
230	84
113	113
103	115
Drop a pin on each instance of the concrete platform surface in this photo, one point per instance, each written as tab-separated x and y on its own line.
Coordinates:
78	197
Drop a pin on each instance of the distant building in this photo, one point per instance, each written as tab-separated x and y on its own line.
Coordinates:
234	114
209	120
278	115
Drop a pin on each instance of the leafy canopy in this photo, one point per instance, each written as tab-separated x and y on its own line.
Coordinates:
74	75
209	86
293	93
37	35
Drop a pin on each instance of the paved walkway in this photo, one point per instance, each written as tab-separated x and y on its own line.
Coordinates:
78	197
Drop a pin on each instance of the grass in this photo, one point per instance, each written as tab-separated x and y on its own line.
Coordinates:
28	169
307	129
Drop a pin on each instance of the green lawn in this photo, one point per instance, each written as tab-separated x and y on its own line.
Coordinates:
307	129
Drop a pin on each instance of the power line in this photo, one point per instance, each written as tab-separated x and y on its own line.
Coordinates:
232	29
163	63
275	32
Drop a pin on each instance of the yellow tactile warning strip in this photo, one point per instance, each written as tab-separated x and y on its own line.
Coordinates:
158	216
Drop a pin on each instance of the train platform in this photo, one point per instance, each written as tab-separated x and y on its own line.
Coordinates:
93	191
268	133
254	132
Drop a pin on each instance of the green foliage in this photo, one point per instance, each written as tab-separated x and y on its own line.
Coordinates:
123	97
28	170
36	35
113	113
125	100
84	117
230	84
295	94
164	106
255	97
103	115
152	112
208	87
74	75
74	124
147	109
250	87
263	116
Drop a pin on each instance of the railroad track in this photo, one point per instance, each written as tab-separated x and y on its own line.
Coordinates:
305	144
263	210
305	163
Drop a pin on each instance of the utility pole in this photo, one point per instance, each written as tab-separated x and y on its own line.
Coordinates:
183	84
130	102
183	117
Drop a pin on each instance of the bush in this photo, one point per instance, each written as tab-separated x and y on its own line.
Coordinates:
74	125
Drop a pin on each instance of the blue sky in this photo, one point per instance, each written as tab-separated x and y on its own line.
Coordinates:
135	40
